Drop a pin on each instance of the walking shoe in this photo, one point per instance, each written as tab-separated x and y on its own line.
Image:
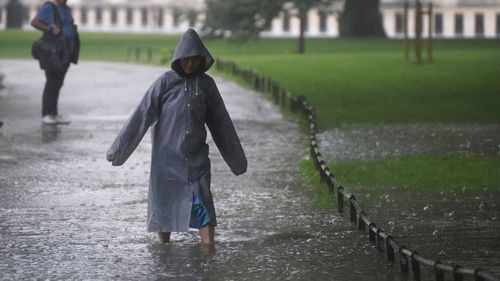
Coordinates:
61	120
49	120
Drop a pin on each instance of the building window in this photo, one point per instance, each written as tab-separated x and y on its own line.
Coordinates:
114	15
1	15
286	21
98	15
159	18
130	16
438	24
459	24
83	15
322	21
399	23
177	18
498	25
479	24
192	16
144	16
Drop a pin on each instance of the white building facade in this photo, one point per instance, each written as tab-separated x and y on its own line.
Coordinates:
451	18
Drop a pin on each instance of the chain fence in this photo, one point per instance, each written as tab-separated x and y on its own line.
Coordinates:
409	260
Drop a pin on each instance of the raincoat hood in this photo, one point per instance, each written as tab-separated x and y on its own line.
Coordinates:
191	45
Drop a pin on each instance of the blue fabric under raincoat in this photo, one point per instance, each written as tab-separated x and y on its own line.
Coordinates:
179	106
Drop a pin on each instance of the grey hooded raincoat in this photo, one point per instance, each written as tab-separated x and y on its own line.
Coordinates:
179	106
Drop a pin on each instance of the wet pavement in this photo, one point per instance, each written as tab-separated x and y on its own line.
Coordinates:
67	214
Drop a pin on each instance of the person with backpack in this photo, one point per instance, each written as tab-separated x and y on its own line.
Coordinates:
56	21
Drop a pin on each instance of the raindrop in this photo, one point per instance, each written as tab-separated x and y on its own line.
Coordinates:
435	232
426	207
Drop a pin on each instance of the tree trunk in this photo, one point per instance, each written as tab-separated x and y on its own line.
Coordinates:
302	40
361	18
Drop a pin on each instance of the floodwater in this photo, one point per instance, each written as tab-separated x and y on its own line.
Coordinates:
456	227
67	214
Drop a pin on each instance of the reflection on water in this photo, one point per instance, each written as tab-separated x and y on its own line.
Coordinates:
50	132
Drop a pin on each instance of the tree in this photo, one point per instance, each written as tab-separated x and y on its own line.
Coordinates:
361	18
303	7
242	19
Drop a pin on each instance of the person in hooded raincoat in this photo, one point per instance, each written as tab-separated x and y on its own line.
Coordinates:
179	104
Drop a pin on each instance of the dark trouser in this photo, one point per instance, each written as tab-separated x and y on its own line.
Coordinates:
50	97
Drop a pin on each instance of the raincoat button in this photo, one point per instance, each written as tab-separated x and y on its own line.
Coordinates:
187	131
189	105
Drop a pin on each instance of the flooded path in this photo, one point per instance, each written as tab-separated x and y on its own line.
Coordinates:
67	214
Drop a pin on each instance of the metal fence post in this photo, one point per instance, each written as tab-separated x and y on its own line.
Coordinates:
457	276
352	208
415	266
371	233
438	273
361	222
380	241
403	261
340	199
389	249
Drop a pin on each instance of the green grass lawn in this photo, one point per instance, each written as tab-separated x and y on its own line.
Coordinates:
364	86
350	82
347	81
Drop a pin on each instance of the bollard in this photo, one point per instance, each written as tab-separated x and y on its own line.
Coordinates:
415	266
340	199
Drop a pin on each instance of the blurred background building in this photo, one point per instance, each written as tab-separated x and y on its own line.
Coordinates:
451	18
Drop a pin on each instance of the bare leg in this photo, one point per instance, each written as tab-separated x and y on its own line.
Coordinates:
207	235
164	237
